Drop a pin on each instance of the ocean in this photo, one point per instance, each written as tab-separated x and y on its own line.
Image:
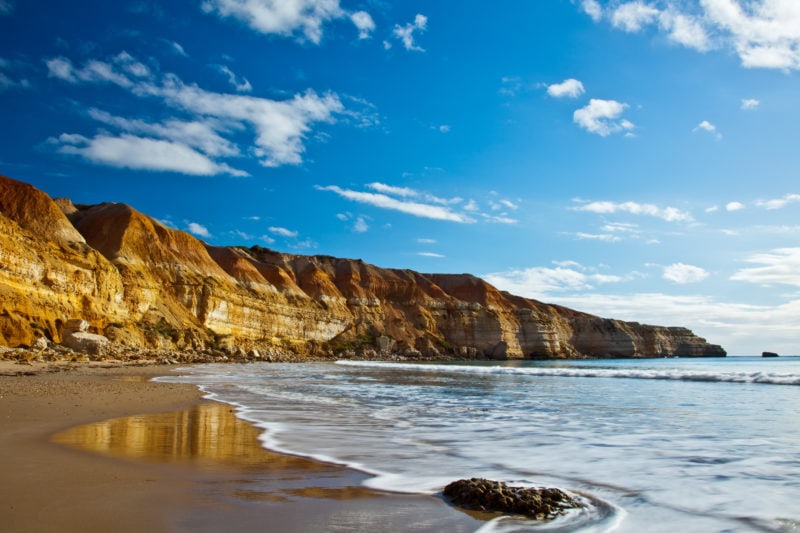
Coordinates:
707	445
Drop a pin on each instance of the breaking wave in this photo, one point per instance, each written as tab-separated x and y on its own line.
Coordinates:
672	374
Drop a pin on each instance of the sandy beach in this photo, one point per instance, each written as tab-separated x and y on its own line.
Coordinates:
85	448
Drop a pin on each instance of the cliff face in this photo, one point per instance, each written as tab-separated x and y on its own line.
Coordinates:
144	284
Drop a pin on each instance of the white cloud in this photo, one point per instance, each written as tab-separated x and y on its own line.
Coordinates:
430	254
593	9
444	128
499	219
605	237
283	232
539	282
391	189
177	48
198	229
201	135
709	127
426	241
763	33
734	206
363	21
621	227
712	209
406	33
682	273
139	153
749	104
779	203
118	71
570	88
685	30
239	83
417	209
633	16
280	127
602	117
267	239
502	204
285	17
779	266
670	214
361	225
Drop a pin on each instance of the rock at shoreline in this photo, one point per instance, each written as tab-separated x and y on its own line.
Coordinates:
769	354
479	494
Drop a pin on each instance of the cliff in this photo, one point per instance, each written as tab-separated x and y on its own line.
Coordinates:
141	283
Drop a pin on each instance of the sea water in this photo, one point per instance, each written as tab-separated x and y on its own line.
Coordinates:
648	445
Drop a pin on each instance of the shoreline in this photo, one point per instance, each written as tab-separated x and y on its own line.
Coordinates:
201	469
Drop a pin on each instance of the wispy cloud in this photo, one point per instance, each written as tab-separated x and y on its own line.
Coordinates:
139	153
282	232
779	266
734	206
540	282
430	254
748	104
406	32
6	7
418	209
360	225
779	203
670	214
7	76
239	83
602	117
709	127
280	126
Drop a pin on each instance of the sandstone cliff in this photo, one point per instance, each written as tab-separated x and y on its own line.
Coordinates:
143	284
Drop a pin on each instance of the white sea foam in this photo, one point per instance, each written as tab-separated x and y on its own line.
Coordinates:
566	372
660	445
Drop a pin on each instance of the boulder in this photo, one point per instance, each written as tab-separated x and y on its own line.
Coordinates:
494	496
90	343
75	325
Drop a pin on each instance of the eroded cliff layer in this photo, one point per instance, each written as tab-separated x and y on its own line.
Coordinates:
143	284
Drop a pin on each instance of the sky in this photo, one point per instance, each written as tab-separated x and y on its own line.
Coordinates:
632	159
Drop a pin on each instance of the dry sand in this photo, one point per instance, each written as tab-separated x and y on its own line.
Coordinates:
84	448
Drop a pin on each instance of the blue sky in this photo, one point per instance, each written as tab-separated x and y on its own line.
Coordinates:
634	159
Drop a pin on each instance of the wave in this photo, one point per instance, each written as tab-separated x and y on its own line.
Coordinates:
671	374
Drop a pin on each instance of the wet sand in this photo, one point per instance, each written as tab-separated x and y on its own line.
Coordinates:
101	449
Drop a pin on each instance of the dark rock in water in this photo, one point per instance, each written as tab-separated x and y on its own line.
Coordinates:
493	496
769	354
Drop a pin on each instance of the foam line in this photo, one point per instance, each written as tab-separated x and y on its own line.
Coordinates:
624	373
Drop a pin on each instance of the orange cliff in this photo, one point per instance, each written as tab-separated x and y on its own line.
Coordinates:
143	284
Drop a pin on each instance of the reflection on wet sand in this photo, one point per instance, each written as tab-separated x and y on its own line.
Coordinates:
209	435
243	487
